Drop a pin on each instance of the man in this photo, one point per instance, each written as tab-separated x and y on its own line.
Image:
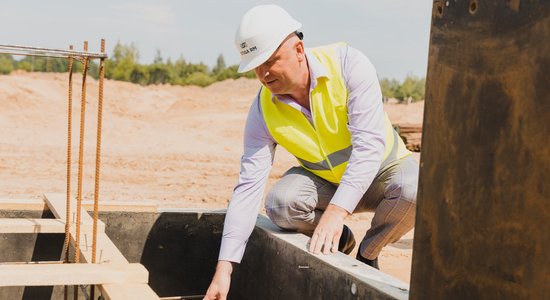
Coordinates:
323	105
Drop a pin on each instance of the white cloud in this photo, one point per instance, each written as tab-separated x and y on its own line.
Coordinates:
150	13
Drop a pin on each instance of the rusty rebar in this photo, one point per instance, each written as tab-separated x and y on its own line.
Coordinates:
69	142
98	158
98	151
80	163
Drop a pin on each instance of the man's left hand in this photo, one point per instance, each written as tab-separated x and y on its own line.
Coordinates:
327	233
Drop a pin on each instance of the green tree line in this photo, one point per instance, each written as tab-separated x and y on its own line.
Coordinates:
411	89
43	64
123	65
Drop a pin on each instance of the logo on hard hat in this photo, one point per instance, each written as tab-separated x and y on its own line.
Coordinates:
246	51
243	45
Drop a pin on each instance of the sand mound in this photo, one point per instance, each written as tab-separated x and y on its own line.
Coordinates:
178	146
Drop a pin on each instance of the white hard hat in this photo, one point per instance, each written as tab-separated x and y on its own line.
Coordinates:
263	28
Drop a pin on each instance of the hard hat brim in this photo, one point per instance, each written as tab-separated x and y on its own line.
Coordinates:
250	64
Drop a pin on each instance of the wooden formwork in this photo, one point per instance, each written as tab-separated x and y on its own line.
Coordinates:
115	277
109	270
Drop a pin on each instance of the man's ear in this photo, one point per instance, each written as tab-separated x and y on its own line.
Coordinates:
300	51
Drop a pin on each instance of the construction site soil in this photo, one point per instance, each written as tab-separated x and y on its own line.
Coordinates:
175	146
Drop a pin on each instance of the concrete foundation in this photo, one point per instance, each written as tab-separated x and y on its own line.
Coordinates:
180	250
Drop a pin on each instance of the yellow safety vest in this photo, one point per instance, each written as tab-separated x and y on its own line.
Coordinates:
323	148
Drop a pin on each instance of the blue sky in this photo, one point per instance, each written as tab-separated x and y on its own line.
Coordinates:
394	34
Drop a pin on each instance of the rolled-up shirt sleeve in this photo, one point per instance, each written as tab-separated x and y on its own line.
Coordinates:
243	209
366	125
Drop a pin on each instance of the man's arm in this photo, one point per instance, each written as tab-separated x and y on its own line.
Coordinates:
259	150
366	125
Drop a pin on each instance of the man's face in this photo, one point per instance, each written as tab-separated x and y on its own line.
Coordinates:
279	72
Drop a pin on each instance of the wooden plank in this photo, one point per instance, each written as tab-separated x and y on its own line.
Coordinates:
27	225
71	274
22	204
16	225
58	206
127	206
39	204
107	252
127	291
32	262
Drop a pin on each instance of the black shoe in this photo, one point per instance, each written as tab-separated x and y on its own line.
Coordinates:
347	241
373	263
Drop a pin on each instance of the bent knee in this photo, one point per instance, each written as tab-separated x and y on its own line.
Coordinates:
403	191
277	198
278	203
287	209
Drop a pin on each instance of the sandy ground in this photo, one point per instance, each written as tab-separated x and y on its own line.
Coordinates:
176	146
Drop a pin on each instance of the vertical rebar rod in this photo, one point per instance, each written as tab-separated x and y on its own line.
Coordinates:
98	152
80	162
69	142
98	158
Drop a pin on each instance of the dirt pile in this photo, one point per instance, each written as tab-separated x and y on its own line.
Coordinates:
178	146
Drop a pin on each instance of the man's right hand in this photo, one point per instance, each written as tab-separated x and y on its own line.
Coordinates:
219	287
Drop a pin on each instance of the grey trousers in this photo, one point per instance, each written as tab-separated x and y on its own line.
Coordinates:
298	199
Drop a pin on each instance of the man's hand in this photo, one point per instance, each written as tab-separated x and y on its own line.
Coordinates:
327	233
219	287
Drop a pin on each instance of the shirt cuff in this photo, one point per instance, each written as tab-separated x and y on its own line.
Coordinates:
232	250
346	197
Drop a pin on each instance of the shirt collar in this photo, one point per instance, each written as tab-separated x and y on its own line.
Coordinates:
316	68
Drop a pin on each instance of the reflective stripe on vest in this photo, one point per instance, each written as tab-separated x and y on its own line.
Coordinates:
323	148
342	156
336	158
